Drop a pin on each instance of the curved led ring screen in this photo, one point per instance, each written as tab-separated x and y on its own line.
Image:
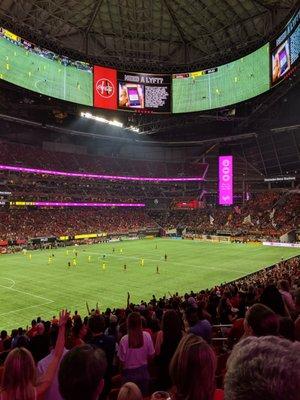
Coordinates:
218	87
29	66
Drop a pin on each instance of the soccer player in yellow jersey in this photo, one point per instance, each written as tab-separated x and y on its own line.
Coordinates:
30	256
49	260
142	262
121	251
74	262
103	266
89	258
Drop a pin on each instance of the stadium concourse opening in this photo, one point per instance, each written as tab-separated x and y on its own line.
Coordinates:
149	200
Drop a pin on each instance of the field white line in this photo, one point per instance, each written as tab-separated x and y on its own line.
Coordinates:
11	280
65	82
25	308
161	259
28	294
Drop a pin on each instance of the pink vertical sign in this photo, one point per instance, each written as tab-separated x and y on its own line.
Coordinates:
225	181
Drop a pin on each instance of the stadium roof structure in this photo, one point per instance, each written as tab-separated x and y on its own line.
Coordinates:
159	36
148	35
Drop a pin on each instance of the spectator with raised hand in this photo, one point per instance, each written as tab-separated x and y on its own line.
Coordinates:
193	369
19	375
52	393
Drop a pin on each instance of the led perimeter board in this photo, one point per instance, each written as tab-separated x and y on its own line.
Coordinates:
285	50
31	67
224	85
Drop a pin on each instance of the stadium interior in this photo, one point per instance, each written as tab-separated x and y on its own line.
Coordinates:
149	200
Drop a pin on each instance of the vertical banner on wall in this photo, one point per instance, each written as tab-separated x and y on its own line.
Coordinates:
105	88
225	180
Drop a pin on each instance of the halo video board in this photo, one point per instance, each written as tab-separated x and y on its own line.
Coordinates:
285	50
222	86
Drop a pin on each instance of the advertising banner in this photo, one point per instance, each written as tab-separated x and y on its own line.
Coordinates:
105	88
225	180
285	50
144	92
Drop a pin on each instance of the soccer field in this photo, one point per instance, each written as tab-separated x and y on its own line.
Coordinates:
33	287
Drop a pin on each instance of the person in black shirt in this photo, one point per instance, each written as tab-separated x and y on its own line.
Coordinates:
104	342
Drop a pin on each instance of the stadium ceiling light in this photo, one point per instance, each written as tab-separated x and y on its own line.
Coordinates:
89	115
133	129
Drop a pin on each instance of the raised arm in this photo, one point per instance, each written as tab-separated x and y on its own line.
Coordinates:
47	378
128	299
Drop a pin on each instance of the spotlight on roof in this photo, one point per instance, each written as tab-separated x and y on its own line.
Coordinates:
103	120
97	118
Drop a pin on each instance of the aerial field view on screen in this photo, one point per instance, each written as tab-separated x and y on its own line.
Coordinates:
39	72
227	84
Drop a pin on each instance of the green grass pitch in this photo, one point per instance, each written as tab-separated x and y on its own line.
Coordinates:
29	288
48	77
232	83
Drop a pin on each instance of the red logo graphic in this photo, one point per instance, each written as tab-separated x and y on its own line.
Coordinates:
105	88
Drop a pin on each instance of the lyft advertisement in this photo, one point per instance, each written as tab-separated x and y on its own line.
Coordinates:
144	92
225	180
105	88
285	50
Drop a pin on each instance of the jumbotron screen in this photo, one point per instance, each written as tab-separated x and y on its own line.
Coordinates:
31	67
131	91
224	85
285	50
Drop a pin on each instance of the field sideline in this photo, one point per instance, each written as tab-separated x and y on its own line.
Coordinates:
33	287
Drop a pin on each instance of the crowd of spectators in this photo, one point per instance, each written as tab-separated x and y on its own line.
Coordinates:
271	215
30	187
265	214
36	157
170	346
23	224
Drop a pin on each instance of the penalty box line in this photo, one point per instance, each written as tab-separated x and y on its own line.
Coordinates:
48	301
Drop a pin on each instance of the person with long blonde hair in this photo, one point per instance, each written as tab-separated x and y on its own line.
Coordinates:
135	351
19	375
192	370
130	391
